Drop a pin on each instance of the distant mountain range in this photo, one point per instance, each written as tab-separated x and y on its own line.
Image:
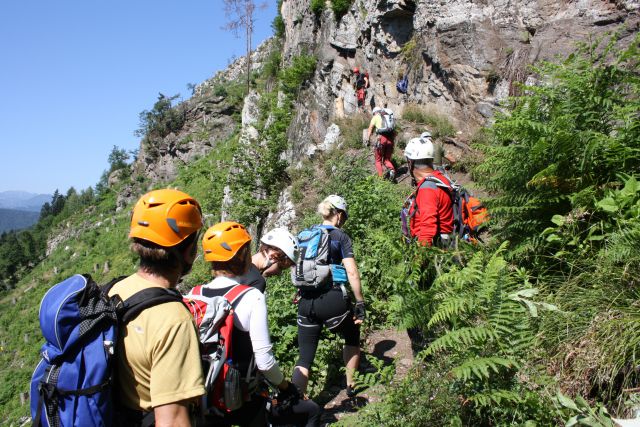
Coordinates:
22	200
20	209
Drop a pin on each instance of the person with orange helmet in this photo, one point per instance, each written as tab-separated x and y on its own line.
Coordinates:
227	248
158	359
361	84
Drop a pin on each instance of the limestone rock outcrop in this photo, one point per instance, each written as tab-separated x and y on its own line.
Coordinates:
462	57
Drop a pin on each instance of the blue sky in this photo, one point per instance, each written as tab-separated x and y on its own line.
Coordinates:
75	75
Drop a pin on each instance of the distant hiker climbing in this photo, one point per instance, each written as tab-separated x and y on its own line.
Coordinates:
325	266
277	253
403	83
383	124
361	84
227	247
428	213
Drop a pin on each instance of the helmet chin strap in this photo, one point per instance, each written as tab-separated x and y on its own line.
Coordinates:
413	178
267	264
185	267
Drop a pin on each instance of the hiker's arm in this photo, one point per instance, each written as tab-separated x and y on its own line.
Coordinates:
426	222
260	341
172	415
370	130
354	277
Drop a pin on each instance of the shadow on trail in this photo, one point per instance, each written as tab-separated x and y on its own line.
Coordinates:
380	350
334	398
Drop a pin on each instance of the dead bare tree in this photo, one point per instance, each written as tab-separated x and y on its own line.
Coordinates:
241	15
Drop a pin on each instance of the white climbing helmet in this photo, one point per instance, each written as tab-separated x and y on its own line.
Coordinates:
418	148
283	240
425	135
338	203
376	110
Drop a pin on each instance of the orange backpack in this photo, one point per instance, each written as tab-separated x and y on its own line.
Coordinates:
474	214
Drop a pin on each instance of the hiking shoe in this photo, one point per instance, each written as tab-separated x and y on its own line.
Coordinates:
351	391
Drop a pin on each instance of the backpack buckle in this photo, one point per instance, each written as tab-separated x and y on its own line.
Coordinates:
49	391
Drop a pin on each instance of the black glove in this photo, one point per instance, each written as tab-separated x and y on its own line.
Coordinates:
359	311
289	396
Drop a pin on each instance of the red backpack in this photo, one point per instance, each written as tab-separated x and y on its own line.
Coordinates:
214	320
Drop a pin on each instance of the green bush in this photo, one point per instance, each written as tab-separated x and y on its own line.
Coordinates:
220	90
340	7
163	119
351	128
564	140
317	6
278	23
439	125
300	71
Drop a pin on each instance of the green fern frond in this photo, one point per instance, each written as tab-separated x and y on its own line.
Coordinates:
496	397
450	308
480	368
461	337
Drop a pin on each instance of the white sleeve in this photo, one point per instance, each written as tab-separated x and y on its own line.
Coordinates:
259	333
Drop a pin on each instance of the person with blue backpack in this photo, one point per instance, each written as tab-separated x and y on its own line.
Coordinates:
158	357
325	265
125	353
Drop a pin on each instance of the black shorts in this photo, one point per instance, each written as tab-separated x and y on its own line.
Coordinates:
331	309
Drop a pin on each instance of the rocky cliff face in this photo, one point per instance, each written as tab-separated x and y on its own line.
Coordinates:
462	57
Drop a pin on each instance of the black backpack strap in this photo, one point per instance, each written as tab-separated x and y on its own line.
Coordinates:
147	298
107	287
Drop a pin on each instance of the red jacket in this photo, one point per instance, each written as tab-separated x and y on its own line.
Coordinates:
432	212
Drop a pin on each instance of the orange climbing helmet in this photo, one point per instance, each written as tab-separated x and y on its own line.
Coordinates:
165	217
223	241
356	69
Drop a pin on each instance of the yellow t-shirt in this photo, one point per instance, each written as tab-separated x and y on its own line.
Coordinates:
158	356
376	121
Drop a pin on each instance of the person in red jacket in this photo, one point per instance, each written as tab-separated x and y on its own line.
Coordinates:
431	208
361	84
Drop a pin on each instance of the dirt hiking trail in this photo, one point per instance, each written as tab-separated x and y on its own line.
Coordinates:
390	346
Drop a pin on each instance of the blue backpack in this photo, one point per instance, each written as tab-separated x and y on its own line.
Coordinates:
403	84
313	270
72	384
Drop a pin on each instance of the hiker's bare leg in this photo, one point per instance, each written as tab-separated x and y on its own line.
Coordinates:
300	378
351	356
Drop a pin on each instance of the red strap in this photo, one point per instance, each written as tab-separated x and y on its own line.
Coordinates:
197	290
236	292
